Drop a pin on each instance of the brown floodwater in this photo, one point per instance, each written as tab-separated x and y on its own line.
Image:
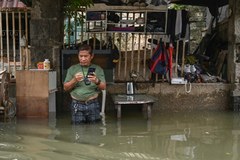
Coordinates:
200	135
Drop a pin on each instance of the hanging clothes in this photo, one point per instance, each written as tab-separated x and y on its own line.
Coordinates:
178	26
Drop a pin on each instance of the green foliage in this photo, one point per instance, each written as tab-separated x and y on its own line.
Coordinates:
71	6
190	59
178	7
73	9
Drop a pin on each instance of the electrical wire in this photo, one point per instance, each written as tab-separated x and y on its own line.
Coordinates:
188	89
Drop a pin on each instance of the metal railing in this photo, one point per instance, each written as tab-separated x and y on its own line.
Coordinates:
14	40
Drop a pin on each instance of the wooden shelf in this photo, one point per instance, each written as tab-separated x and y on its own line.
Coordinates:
35	93
124	20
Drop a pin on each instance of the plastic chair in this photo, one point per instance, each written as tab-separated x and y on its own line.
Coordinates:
102	113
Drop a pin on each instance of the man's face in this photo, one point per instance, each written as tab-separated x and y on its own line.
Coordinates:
85	58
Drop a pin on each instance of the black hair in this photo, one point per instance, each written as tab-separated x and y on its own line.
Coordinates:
85	47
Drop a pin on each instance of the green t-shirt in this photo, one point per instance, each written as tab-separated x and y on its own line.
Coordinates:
81	91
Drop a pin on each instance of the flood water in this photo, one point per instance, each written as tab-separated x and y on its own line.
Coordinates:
168	136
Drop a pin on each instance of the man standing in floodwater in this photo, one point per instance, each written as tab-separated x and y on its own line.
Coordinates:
85	81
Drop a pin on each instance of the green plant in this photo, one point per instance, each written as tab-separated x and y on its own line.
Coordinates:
73	9
178	7
191	59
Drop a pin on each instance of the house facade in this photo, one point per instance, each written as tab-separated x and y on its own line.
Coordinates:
46	39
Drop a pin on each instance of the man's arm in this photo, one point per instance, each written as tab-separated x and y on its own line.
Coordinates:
101	85
70	84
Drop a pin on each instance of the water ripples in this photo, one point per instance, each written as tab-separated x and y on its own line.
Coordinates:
10	147
13	156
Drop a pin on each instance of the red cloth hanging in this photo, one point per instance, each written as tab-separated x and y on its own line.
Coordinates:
170	50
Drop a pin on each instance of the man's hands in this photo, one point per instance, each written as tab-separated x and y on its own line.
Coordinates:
79	76
71	84
93	78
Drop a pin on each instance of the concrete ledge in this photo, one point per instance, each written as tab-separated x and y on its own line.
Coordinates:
203	96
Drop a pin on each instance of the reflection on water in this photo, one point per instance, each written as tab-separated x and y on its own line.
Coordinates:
168	136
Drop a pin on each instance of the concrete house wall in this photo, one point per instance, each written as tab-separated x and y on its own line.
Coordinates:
46	40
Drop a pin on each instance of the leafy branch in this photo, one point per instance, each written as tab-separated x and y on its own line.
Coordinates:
72	6
73	9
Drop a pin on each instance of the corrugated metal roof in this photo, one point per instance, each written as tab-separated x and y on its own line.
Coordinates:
4	4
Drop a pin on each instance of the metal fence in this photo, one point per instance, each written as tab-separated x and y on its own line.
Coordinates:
134	48
14	40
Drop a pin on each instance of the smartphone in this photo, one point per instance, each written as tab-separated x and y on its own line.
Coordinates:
91	71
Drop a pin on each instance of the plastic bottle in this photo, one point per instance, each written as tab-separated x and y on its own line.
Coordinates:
46	64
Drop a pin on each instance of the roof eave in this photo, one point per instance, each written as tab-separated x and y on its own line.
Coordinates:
204	3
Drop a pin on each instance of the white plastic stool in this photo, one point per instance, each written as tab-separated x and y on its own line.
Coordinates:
102	113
